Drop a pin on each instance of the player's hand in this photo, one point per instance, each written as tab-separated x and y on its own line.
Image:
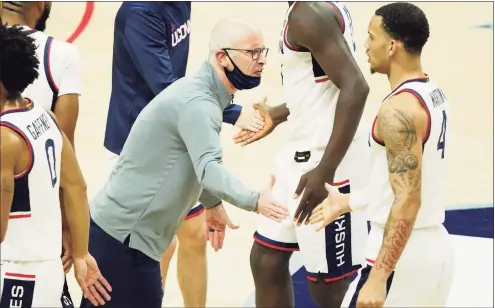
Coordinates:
93	285
330	209
373	294
216	221
313	185
250	119
245	137
268	207
66	252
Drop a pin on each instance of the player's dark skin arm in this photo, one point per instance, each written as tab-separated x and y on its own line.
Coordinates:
273	116
67	112
10	148
401	124
279	113
315	26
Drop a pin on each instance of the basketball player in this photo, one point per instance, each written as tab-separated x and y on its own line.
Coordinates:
409	255
325	93
150	52
57	89
37	159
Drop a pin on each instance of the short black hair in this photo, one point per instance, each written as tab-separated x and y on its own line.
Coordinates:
407	23
19	63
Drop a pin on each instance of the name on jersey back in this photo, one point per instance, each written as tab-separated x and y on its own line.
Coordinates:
39	126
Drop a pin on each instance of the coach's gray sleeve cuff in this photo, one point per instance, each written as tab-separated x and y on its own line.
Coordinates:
208	200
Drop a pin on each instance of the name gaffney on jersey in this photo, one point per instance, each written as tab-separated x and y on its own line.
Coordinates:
39	126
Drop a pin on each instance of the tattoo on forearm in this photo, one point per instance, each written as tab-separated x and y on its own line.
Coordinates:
6	186
399	133
395	237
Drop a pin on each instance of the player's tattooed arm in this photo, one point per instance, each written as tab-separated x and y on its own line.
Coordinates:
401	124
9	152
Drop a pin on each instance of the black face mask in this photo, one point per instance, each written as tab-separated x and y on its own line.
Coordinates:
41	24
239	80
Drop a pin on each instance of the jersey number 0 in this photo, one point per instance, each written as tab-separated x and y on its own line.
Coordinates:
52	160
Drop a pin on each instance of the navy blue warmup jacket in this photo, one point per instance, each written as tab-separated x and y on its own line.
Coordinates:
150	52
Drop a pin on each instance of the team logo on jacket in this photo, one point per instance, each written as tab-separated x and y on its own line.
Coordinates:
180	33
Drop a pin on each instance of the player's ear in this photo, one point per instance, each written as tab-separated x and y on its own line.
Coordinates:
392	48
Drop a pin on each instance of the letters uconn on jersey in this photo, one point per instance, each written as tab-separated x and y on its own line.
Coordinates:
34	232
432	211
310	96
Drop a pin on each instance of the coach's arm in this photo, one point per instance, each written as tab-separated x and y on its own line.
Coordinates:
145	39
199	127
10	147
401	124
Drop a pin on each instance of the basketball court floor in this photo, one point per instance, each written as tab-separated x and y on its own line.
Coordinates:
459	56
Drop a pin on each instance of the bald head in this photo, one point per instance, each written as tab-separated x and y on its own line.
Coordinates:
232	33
238	53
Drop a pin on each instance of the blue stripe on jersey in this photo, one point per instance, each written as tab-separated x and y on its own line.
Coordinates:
339	246
341	16
195	210
21	203
275	244
48	75
365	272
17	290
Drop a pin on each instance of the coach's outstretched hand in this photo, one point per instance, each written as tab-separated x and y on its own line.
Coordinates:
330	209
245	137
268	207
93	285
216	221
250	120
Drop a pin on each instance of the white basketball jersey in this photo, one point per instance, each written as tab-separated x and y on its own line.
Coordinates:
58	70
309	94
432	210
34	232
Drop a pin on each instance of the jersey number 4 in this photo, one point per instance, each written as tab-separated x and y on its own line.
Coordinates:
441	139
52	160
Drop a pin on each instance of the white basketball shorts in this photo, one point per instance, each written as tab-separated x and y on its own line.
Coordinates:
31	284
195	211
337	251
423	275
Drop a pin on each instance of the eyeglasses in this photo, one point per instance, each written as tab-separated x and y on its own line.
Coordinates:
255	53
